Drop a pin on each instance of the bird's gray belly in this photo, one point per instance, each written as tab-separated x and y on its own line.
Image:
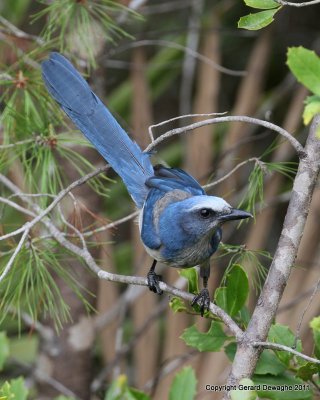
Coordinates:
186	258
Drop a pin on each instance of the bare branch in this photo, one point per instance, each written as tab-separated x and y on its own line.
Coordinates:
19	33
281	347
180	117
314	292
241	118
44	331
12	145
16	206
175	292
305	4
168	367
167	43
57	199
9	265
223	178
111	224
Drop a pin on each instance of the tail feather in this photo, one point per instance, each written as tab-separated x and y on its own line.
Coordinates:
96	122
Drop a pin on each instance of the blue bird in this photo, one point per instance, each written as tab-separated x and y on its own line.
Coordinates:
179	224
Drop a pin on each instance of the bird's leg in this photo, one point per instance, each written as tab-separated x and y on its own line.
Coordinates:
203	298
154	279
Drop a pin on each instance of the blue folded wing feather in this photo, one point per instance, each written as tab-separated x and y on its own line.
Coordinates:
167	179
96	122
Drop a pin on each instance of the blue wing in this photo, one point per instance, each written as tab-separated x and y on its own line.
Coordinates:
89	114
166	179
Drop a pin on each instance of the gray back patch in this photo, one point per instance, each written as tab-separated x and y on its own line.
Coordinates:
170	197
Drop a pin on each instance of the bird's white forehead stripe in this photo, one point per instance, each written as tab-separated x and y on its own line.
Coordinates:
214	203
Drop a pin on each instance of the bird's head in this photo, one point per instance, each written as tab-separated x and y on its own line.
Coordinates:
200	215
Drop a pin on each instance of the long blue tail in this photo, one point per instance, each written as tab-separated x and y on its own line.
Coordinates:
89	114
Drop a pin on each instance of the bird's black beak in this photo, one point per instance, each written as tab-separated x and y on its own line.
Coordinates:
235	214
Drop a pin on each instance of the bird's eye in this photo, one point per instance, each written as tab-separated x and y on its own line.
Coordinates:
206	212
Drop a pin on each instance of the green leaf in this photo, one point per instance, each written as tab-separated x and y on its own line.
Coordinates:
282	387
244	316
268	363
210	341
220	298
177	305
306	371
262	4
18	389
237	285
138	395
14	390
119	390
305	66
311	109
184	385
282	334
192	276
315	326
63	398
4	349
257	20
246	391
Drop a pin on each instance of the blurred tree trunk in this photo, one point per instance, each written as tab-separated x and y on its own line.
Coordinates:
247	100
145	351
108	295
199	145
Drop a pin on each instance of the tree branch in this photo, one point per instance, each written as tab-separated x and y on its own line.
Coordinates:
305	4
177	131
247	355
281	347
167	43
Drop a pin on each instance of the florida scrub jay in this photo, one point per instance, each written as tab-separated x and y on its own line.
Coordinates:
180	225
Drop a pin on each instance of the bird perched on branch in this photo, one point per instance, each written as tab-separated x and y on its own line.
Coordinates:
180	225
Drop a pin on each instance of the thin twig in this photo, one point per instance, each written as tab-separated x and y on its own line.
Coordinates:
11	145
180	117
126	348
305	4
169	366
296	300
223	178
239	118
57	199
281	347
19	33
314	292
167	43
111	224
16	206
16	251
44	331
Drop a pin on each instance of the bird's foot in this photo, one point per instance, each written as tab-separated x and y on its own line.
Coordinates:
202	300
153	282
